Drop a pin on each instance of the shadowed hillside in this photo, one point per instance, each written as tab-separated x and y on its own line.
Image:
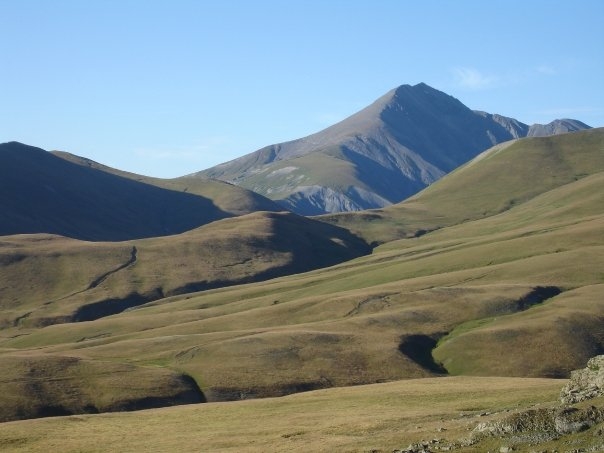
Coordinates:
63	385
229	198
42	193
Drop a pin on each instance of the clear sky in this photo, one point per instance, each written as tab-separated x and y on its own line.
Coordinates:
167	88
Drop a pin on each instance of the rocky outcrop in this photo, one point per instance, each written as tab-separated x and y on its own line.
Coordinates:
539	426
556	127
586	383
549	423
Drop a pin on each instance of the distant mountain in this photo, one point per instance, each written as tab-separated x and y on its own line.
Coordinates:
403	142
43	193
556	127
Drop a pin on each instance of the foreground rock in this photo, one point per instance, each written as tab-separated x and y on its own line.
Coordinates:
586	383
547	424
536	426
581	426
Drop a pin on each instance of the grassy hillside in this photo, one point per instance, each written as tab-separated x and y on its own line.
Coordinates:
490	288
51	279
380	418
503	177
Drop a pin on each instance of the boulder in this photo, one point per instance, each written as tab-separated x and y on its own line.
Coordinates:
585	383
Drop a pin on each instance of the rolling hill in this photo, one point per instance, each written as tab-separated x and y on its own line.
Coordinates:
403	142
44	193
496	269
52	279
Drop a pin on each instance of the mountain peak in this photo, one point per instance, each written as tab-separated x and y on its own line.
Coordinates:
402	142
419	88
423	94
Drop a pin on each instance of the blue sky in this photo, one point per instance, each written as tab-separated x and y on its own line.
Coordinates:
166	88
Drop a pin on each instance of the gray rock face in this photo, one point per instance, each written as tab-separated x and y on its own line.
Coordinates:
316	200
392	149
586	383
556	127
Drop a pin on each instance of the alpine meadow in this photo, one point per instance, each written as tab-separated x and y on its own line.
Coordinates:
418	277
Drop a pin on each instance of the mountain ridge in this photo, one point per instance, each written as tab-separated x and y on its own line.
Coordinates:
402	142
228	197
45	193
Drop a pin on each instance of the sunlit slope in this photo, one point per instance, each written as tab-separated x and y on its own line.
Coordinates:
495	181
513	293
382	417
350	324
51	279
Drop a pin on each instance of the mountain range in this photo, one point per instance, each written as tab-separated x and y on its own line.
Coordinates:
406	140
403	142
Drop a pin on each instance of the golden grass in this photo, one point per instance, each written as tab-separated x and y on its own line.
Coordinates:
378	417
343	325
49	277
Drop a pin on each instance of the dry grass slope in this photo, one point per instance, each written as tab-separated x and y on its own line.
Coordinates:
380	417
519	281
51	279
